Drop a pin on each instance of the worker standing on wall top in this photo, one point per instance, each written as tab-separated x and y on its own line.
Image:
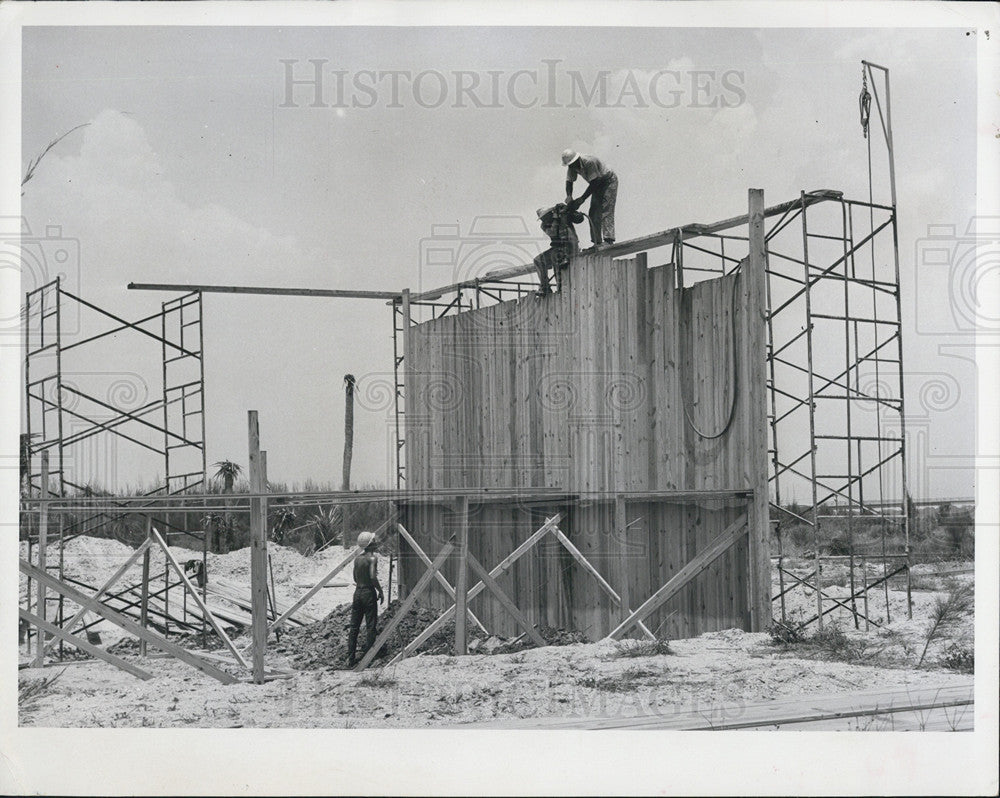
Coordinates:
602	188
557	224
365	591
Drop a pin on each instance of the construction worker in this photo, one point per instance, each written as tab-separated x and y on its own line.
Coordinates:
557	224
602	188
365	591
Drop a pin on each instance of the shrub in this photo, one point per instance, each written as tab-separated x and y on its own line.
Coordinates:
785	633
959	657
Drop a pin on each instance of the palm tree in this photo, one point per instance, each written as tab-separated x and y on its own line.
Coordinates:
228	472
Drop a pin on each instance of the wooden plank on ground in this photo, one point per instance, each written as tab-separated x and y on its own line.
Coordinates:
700	562
83	645
125	623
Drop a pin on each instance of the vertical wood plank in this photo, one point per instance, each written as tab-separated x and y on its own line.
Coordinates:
258	551
43	543
144	598
755	421
461	578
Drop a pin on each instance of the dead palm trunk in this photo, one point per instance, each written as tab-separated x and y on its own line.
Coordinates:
348	449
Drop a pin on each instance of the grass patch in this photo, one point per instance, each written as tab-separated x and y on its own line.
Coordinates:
641	648
627	681
28	692
377	678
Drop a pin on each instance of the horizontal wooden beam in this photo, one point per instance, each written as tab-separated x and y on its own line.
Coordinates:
237	501
633	245
335	293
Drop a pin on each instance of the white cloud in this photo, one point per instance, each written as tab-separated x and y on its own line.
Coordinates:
116	197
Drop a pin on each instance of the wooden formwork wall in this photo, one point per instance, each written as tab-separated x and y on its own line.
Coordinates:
585	391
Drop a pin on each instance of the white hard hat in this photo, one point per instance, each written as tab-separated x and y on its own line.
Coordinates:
541	212
569	156
365	539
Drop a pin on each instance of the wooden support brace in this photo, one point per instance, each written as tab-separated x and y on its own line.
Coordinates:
68	626
43	531
701	561
83	645
205	611
125	623
411	599
505	600
439	576
462	576
497	570
589	568
351	557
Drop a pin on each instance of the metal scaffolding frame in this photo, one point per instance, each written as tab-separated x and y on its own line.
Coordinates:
51	403
834	365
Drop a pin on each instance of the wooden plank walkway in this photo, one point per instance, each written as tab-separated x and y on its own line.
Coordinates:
936	708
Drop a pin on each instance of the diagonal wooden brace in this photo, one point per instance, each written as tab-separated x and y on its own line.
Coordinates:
78	642
505	600
503	566
589	568
128	625
411	599
438	575
206	612
139	552
701	561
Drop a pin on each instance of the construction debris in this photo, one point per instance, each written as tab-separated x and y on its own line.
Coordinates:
324	644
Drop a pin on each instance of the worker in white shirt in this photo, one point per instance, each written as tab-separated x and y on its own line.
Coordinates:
602	188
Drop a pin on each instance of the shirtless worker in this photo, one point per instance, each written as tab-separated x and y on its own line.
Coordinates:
365	590
602	188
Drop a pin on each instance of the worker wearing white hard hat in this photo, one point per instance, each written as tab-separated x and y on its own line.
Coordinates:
602	188
366	589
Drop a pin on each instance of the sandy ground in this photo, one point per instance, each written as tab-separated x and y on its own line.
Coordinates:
594	679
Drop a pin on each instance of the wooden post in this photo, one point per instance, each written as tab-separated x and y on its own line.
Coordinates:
144	602
462	576
258	551
43	535
622	530
753	355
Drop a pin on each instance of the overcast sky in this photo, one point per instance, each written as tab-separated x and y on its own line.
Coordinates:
192	171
